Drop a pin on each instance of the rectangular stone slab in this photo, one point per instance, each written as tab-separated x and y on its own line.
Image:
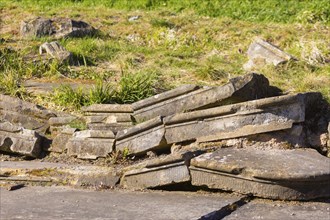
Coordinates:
114	127
157	176
142	142
275	174
245	87
90	148
25	142
261	209
184	89
59	121
12	104
111	118
60	141
108	108
236	120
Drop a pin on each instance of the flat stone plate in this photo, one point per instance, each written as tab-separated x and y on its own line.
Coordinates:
276	165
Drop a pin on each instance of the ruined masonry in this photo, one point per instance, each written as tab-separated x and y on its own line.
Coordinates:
244	136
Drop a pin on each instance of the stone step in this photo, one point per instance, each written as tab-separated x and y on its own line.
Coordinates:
275	174
56	173
247	87
143	137
91	144
238	120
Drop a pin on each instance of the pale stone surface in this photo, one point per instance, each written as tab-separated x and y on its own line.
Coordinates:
247	87
271	210
108	119
91	144
15	139
28	115
143	137
57	27
66	203
276	174
184	89
60	141
54	50
60	121
167	174
261	52
114	127
59	173
108	108
238	120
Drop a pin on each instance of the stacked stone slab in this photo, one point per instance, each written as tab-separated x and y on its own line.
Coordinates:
15	139
190	97
144	137
28	115
60	141
59	123
112	117
91	144
238	120
299	174
169	170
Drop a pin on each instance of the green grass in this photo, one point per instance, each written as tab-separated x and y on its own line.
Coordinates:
288	11
172	43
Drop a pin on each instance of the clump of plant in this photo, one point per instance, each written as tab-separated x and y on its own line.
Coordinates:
101	93
134	87
68	97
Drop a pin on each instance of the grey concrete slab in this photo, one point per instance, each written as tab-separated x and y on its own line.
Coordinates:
168	174
299	174
274	210
238	120
65	203
56	173
20	141
143	137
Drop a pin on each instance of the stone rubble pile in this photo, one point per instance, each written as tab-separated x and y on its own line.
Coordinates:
243	136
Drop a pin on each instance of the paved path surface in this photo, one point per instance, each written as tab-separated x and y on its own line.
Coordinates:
67	203
272	210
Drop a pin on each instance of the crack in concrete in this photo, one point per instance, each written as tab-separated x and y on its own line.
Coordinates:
228	209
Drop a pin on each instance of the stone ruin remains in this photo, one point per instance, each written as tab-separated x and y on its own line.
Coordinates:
244	136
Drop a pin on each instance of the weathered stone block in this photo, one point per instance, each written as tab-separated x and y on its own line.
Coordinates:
238	120
54	50
108	108
91	144
275	174
27	114
60	121
167	174
57	27
18	140
248	87
143	137
108	119
261	52
184	89
114	127
60	141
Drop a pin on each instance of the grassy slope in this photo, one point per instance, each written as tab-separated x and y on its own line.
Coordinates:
178	42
